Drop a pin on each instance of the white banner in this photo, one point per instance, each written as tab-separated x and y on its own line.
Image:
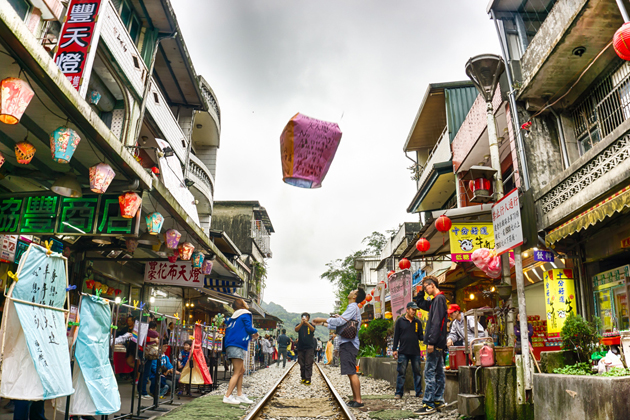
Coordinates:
180	273
506	220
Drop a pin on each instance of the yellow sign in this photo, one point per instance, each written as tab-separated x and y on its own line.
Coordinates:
559	298
465	238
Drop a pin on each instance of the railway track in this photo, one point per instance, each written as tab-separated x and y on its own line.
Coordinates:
289	398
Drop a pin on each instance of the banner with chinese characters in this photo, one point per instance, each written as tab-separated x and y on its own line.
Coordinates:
468	237
44	214
506	220
36	361
77	42
559	298
180	273
400	291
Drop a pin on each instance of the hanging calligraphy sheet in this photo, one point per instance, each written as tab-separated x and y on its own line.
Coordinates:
308	147
36	362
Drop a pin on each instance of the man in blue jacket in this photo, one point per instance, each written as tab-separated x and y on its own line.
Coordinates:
238	332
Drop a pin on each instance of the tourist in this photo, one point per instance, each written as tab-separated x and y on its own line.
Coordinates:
456	334
267	350
153	337
406	348
318	349
238	332
283	344
349	347
306	347
335	362
435	340
165	361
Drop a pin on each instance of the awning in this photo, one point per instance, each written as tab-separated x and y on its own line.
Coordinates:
436	190
606	208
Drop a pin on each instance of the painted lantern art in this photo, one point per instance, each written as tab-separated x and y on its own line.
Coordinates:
101	176
185	251
15	95
308	147
63	143
24	152
206	268
154	223
172	238
197	259
130	203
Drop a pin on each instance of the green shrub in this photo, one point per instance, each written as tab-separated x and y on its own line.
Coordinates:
375	334
580	335
580	369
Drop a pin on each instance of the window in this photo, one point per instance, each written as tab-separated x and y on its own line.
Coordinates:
130	20
21	7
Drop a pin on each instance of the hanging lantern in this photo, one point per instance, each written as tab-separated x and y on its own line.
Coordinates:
206	268
443	224
308	147
95	97
24	152
172	258
390	273
131	244
101	176
63	143
197	259
360	305
154	223
480	187
185	251
372	292
368	298
404	264
89	284
15	95
110	291
388	315
621	41
172	238
423	245
155	170
117	292
130	203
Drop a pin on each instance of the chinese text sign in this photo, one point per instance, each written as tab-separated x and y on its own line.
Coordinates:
400	291
180	273
559	298
506	220
465	238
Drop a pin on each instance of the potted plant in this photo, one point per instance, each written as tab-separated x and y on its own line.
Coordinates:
504	352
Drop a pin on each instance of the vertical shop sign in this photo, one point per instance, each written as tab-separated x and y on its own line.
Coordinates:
400	291
559	298
465	238
77	42
506	220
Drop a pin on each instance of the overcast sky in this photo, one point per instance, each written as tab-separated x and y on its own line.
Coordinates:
363	64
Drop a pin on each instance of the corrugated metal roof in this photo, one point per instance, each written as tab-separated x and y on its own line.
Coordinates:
458	103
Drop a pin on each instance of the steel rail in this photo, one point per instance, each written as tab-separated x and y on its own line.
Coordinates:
332	389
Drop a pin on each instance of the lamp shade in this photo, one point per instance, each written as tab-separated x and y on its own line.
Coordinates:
101	176
185	251
154	223
206	268
15	95
197	259
484	70
68	186
172	238
24	152
63	143
129	203
131	244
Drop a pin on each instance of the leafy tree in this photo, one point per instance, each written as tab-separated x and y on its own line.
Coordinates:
581	335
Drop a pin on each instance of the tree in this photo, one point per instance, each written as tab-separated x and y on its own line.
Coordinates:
341	272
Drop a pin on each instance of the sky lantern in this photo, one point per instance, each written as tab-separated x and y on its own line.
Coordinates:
129	203
206	268
404	264
15	95
185	251
24	152
154	222
63	143
197	259
101	176
172	238
307	148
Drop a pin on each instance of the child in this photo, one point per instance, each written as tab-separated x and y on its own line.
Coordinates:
164	387
184	355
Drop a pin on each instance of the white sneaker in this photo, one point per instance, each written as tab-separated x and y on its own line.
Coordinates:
243	398
230	400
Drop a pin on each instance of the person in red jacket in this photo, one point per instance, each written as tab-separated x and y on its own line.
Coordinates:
435	340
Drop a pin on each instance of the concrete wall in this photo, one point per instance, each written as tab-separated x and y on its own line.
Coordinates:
236	221
560	397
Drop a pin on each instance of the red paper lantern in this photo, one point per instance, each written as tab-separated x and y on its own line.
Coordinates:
390	273
404	264
155	170
423	245
129	202
372	292
360	305
364	302
15	95
172	259
368	298
621	41
24	152
443	224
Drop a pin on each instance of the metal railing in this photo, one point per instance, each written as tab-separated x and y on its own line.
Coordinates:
261	237
197	168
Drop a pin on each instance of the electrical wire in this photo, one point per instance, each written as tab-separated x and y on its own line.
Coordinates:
40	99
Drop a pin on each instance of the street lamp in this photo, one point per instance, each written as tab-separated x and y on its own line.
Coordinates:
485	70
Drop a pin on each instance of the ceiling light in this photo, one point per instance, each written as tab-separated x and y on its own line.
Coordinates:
152	299
67	186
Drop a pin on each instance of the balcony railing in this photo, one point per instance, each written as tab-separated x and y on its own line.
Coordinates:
441	153
261	237
199	170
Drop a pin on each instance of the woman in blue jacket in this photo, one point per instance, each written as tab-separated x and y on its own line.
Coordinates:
238	332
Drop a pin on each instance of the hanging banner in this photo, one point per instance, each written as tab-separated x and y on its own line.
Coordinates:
506	220
465	238
400	291
200	373
78	39
559	298
180	273
36	361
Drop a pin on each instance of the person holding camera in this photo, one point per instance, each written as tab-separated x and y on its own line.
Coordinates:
306	347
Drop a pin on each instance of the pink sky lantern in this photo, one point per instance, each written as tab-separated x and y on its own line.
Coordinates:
101	176
185	251
15	95
308	147
130	203
206	268
172	238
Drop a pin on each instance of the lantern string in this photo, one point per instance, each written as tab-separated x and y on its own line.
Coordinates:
40	99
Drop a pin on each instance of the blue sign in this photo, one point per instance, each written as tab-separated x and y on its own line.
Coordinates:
543	256
417	277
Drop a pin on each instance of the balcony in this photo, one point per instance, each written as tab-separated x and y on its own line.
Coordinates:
261	237
203	189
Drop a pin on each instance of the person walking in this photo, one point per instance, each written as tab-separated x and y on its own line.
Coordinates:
267	349
306	347
319	350
238	332
456	334
435	340
283	344
349	347
406	348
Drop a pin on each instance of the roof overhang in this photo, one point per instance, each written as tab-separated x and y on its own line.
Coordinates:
437	189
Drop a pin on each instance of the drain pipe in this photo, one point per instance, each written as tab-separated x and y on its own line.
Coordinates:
563	142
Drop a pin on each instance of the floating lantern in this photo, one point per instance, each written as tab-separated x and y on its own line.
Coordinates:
101	176
206	268
131	244
621	42
130	203
95	97
154	223
185	251
172	258
15	95
63	143
197	259
423	245
24	152
172	238
308	147
404	264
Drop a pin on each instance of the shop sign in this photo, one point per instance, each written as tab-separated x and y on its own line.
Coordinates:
543	256
559	298
611	278
400	291
418	276
90	215
465	238
506	220
9	247
180	273
77	42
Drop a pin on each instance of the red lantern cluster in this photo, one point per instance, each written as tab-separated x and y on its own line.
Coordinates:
404	264
621	41
423	245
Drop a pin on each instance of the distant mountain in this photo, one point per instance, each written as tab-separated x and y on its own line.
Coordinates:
291	319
